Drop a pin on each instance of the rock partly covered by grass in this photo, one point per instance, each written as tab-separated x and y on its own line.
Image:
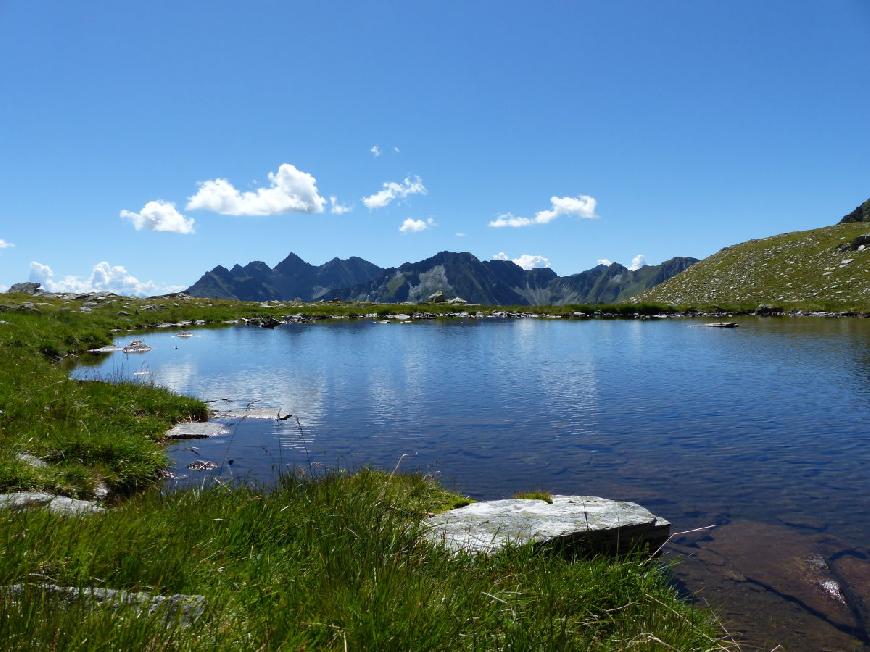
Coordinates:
817	268
586	524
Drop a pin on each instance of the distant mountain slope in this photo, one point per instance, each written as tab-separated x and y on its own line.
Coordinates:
494	282
505	283
291	278
860	214
827	266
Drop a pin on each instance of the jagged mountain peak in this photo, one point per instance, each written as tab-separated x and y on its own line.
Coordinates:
454	274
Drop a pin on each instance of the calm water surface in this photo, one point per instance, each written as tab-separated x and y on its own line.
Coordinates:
768	422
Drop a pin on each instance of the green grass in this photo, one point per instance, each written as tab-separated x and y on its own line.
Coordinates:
802	270
546	496
329	563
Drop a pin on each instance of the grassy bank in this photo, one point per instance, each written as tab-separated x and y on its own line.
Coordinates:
330	563
334	562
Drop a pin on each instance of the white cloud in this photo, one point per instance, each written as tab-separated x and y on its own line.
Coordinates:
459	234
637	262
509	219
410	225
526	261
393	190
290	190
396	149
530	261
104	278
605	261
159	215
337	208
580	206
5	245
375	150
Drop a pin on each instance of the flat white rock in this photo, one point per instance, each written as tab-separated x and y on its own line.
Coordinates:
197	430
587	523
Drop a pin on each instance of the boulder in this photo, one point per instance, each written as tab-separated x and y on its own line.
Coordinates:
73	507
436	297
583	524
24	499
24	288
860	243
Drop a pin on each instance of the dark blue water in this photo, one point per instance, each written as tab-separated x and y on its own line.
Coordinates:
770	420
768	424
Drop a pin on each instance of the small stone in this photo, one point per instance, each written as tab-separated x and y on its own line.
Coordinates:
31	460
202	465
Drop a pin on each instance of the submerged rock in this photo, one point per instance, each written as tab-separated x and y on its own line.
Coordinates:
202	465
575	523
813	589
197	430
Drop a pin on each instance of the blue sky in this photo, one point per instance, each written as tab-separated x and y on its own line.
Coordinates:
599	130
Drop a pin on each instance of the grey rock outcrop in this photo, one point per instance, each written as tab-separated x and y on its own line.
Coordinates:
73	507
860	243
24	288
585	524
24	500
31	460
181	608
58	504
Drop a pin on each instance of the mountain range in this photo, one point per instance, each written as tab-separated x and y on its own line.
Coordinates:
493	282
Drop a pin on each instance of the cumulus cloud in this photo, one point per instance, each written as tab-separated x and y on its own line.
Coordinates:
637	262
410	225
375	150
336	208
290	191
526	261
509	219
605	261
582	206
159	215
104	278
395	190
5	245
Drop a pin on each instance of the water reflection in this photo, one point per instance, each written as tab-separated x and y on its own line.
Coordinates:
765	420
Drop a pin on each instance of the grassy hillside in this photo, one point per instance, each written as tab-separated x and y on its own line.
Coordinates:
800	269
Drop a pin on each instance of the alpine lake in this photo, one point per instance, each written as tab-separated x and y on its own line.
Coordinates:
762	431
